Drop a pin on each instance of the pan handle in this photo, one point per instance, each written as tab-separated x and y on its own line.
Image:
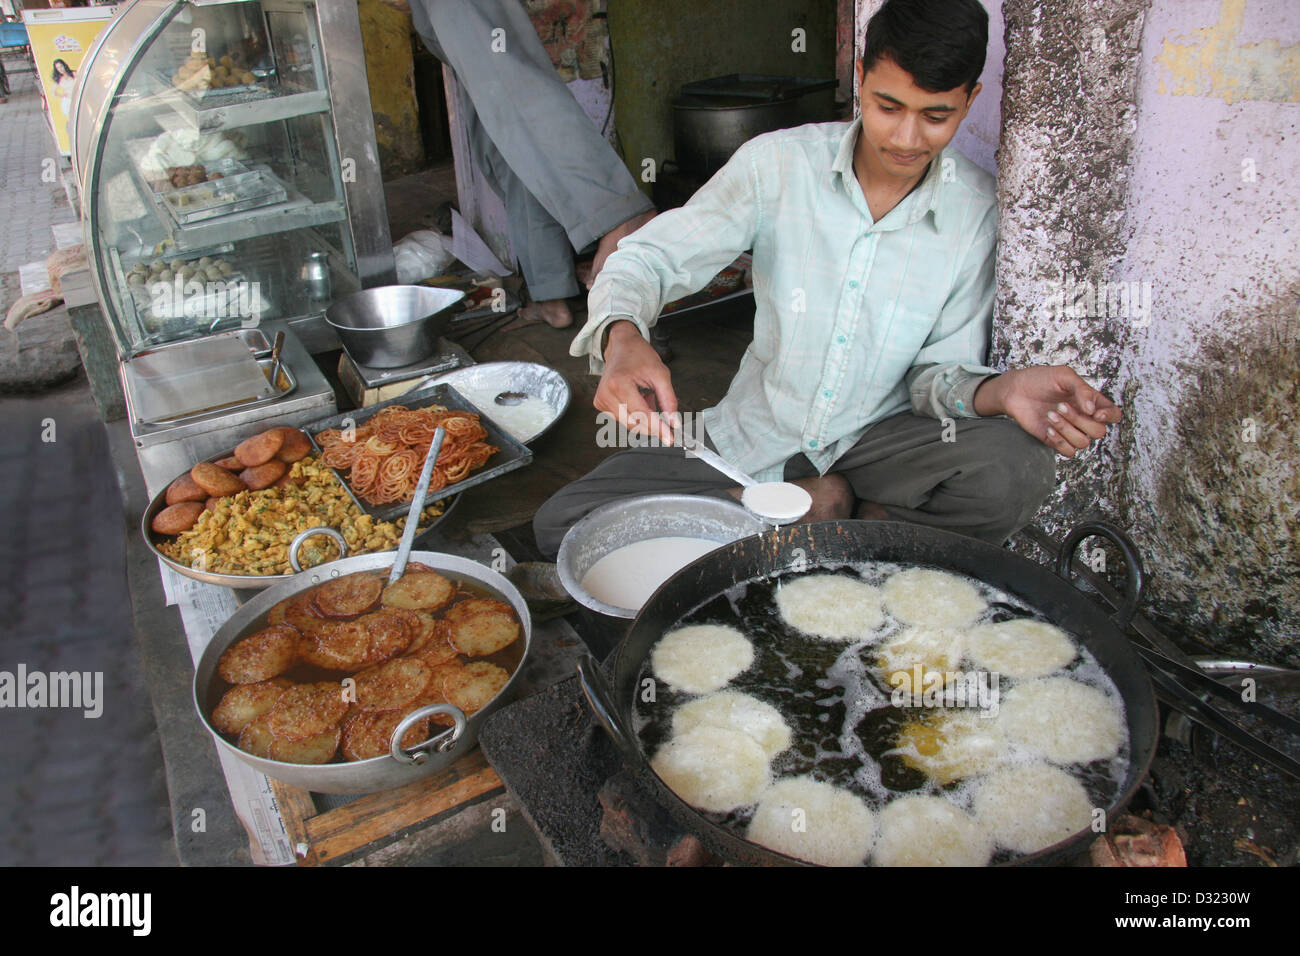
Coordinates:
301	539
1135	577
441	742
601	698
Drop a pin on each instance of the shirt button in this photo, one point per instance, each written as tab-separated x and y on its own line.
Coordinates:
853	283
961	406
840	339
827	393
812	443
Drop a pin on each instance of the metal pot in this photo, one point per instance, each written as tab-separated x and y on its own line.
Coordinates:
832	544
713	118
393	325
378	773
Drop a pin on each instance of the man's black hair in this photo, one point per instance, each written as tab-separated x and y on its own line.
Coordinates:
941	43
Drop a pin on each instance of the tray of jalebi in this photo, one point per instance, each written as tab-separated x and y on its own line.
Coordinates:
377	451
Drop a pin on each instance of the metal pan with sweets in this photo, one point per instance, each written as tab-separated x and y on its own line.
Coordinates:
400	764
832	546
510	453
156	540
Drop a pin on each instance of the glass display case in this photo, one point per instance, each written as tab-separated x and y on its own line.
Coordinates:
228	169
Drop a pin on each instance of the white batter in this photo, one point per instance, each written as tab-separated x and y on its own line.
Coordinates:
778	501
627	576
523	421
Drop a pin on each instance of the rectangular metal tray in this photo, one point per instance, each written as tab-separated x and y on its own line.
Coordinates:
250	190
226	167
511	453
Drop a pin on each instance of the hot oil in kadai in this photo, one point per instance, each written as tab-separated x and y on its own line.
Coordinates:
838	704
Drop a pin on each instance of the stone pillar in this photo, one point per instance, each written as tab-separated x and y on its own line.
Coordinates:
1068	111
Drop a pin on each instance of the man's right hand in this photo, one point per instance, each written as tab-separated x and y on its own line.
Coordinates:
634	382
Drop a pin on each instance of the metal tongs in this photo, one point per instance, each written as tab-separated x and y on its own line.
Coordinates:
1181	683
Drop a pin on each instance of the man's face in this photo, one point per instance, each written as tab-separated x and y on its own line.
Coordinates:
903	126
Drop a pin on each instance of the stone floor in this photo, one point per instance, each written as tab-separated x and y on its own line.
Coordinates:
75	790
30	201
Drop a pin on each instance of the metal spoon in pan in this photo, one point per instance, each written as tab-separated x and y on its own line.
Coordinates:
417	507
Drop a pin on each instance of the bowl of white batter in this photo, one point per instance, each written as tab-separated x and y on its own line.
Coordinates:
544	391
615	558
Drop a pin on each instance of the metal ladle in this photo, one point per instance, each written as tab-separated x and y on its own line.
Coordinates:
510	398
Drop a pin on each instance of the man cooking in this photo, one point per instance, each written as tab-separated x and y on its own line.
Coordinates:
873	246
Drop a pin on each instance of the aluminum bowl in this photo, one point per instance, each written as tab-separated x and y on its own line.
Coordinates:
392	325
493	378
377	773
630	520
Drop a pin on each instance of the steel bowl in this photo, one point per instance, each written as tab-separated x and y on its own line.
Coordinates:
378	773
392	325
492	378
630	520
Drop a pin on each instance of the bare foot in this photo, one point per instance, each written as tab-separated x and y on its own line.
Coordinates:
870	511
609	241
554	312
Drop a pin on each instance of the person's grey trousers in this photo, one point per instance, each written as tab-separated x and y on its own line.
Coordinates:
982	477
563	185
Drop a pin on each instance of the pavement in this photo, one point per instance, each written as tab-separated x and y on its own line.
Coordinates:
77	789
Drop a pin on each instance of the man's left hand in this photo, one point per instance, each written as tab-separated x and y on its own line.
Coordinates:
1052	403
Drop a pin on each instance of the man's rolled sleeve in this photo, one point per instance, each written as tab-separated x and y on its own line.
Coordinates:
947	391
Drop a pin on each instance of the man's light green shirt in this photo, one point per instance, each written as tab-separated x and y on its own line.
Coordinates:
855	321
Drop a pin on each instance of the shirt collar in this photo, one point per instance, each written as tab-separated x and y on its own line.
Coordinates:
925	198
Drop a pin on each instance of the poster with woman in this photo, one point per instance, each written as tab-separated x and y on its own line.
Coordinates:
59	40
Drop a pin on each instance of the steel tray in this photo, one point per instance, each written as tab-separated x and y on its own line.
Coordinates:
511	454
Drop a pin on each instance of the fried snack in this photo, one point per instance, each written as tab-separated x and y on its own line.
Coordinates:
263	476
384	455
280	613
261	656
429	633
177	518
317	749
350	595
367	735
351	645
296	446
216	481
256	738
419	591
244	703
393	685
230	464
211	504
184	488
487	632
463	609
249	533
472	687
260	448
306	710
